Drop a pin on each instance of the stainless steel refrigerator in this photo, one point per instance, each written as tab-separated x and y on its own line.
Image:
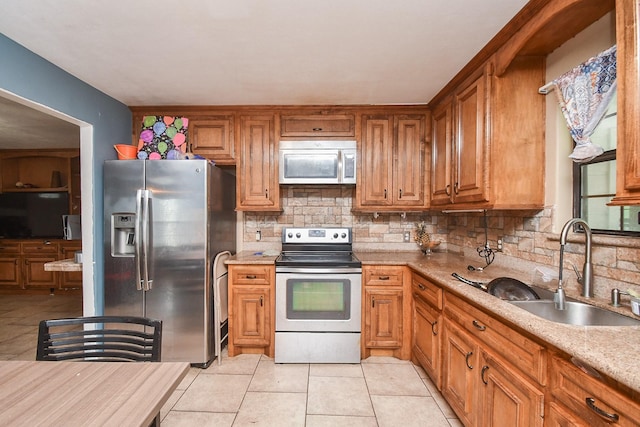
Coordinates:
164	223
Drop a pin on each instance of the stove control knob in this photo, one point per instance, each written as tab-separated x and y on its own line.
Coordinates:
344	235
298	235
335	235
289	235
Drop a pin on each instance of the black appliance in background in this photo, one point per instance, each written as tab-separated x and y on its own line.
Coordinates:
33	214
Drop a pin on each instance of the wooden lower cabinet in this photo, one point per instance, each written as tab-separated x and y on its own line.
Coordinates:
386	326
427	326
578	398
69	280
460	372
507	398
251	308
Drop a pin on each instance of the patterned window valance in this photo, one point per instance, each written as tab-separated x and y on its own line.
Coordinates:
584	94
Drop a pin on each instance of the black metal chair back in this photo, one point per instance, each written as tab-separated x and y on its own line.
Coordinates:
111	338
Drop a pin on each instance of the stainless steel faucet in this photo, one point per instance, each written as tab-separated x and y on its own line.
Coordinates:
586	279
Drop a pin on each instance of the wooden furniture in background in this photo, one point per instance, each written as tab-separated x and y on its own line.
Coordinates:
97	393
37	168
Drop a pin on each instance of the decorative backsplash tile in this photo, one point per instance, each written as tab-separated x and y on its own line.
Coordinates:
528	240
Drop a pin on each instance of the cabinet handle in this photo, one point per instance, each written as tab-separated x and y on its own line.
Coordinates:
455	188
266	193
400	196
385	193
422	287
433	328
251	276
383	277
485	368
591	403
466	359
373	302
261	301
316	129
478	325
447	190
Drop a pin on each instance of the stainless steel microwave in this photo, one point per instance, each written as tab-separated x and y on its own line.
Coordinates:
317	162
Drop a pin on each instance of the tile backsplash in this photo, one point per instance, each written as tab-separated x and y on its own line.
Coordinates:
528	239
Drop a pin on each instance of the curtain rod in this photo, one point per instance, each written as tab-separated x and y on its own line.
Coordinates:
546	88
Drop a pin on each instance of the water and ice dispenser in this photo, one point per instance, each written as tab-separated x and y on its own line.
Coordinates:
123	235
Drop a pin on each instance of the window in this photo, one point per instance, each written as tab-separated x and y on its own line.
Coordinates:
594	185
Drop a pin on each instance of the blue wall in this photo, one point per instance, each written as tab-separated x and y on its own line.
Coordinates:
30	76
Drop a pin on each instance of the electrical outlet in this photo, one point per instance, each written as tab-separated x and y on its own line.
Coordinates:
407	236
258	235
499	243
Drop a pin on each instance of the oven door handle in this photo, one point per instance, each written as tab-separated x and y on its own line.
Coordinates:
325	270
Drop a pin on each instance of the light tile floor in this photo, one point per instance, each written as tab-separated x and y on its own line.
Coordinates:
252	390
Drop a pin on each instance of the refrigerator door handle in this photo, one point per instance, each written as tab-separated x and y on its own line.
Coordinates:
147	283
137	239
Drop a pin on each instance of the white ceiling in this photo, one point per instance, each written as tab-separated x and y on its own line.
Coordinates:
258	52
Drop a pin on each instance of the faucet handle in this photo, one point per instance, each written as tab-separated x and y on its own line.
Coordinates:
577	272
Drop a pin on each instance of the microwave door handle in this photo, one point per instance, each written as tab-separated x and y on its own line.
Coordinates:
340	166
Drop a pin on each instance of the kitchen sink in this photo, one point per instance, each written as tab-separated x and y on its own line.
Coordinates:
577	313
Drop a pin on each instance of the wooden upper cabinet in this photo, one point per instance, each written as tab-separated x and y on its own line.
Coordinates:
212	137
317	125
257	166
392	163
488	140
628	135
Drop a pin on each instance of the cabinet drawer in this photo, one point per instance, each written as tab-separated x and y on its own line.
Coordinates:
253	275
586	396
39	247
383	275
522	352
9	247
426	290
317	125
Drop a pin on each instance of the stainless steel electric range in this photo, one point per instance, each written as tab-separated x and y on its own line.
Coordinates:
318	297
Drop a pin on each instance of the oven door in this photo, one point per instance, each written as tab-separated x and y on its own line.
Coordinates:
318	301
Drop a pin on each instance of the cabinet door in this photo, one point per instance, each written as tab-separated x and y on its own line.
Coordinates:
470	178
257	177
628	134
408	162
317	125
508	399
212	137
250	316
460	370
441	152
383	318
375	152
10	271
427	328
34	274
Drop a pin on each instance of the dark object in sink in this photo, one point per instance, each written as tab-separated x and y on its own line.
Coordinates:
511	289
505	288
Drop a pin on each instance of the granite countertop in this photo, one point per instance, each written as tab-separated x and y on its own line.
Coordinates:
612	350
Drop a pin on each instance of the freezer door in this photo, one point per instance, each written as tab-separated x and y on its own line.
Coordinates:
122	179
179	266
